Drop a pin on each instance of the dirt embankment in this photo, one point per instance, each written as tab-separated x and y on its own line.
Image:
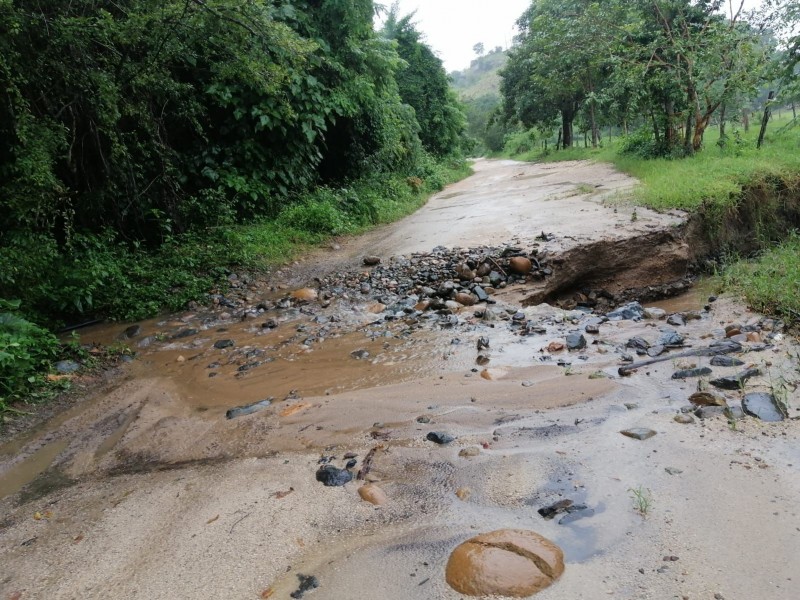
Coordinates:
148	490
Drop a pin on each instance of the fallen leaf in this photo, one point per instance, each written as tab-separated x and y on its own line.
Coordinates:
267	593
280	495
38	516
294	409
301	543
58	377
211	520
77	539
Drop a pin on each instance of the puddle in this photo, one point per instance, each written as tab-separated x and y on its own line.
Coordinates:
29	469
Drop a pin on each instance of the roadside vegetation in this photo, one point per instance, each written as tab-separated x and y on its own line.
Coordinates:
147	149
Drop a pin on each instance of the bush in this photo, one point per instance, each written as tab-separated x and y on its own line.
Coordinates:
26	353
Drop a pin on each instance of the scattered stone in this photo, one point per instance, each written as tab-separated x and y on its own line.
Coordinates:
576	341
670	338
735	382
683	419
631	405
439	437
184	333
306	583
707	399
638	433
708	412
269	324
483	343
631	311
555	346
66	367
598	375
676	320
360	354
514	563
132	331
763	406
469	452
465	299
222	344
655	314
687	373
673	470
247	409
423	419
480	293
520	265
638	344
576	513
463	494
331	476
371	261
373	494
734	413
181	359
726	361
656	350
305	294
549	512
592	328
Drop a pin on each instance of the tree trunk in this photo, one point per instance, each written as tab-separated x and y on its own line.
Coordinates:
625	127
765	120
722	121
566	129
558	141
670	133
595	135
687	133
794	112
746	120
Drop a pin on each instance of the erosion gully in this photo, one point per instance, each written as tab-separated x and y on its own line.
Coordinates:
142	486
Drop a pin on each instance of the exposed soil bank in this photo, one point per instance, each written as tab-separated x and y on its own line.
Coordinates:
147	490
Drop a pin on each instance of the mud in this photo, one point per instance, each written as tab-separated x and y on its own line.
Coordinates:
148	490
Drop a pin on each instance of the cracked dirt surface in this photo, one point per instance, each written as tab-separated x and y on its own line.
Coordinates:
146	490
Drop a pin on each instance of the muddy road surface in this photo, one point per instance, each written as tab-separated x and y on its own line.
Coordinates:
474	376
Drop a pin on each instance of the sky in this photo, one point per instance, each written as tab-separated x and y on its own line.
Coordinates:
453	27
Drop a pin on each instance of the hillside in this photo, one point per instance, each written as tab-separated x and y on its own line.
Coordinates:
482	77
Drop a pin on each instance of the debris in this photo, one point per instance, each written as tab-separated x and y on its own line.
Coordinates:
248	409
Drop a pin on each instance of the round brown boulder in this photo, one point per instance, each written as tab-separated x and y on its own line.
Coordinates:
520	265
373	494
508	562
465	299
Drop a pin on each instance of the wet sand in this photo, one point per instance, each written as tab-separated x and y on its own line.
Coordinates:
148	491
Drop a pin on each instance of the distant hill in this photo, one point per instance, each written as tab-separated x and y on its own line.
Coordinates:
482	78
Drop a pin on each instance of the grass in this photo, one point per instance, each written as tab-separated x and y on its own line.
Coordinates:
642	500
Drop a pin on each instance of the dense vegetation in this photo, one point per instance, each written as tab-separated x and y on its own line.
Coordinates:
147	146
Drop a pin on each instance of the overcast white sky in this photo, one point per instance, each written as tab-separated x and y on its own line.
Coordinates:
453	27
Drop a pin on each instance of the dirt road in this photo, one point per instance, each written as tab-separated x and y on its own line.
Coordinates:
145	489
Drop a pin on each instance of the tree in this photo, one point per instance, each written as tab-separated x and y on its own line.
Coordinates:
479	49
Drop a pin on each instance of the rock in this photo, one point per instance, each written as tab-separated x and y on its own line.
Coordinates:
482	360
592	328
655	314
269	324
576	341
247	409
480	293
483	343
656	350
331	476
132	331
673	470
638	433
555	346
495	279
576	513
465	299
439	437
371	261
676	320
707	412
735	382
707	399
754	337
630	311
670	337
726	361
373	494
520	265
306	583
548	512
463	494
683	419
305	294
67	366
184	333
687	373
423	419
181	359
638	344
507	562
469	452
734	413
631	405
222	344
763	406
365	288
360	354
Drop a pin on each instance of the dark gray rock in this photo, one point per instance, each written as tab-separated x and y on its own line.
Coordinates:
630	311
726	361
548	512
687	373
222	344
638	344
656	350
707	412
676	320
331	476
185	333
248	409
371	261
763	406
576	513
576	341
735	382
132	331
480	293
360	354
440	437
670	337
